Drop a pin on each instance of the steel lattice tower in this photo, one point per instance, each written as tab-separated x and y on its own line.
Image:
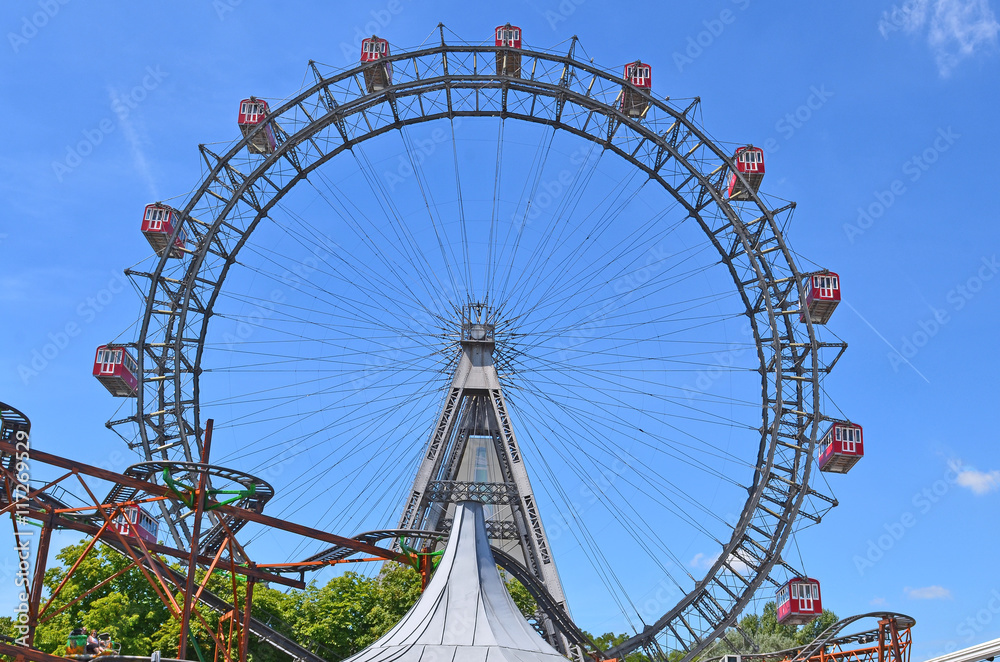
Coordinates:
473	455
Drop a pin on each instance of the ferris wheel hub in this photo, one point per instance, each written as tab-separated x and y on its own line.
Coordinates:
478	325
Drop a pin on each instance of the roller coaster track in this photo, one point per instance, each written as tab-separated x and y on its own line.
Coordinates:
832	634
266	632
13	421
545	601
257	493
831	637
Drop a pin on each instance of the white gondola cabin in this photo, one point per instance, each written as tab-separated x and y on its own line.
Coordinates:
842	446
116	369
822	297
508	38
377	76
253	112
750	163
638	75
798	601
158	223
134	521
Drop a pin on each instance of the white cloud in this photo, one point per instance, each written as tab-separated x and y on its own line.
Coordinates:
704	562
959	29
877	602
913	14
928	593
955	29
980	482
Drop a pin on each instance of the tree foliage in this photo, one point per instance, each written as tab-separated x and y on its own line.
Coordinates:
522	598
609	640
352	611
768	635
342	617
337	619
7	630
763	629
125	607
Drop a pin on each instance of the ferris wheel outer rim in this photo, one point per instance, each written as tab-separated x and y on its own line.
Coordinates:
536	88
621	118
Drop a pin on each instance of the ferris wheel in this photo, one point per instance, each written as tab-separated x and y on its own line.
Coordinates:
643	336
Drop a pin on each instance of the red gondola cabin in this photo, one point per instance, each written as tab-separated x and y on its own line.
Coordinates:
116	369
750	162
158	223
134	521
378	76
253	111
509	59
841	448
641	76
799	601
822	297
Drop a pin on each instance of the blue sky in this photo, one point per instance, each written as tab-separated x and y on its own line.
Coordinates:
879	121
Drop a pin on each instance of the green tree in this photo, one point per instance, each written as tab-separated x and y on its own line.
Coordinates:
352	611
816	627
7	630
522	598
769	635
609	640
129	609
397	590
344	616
126	607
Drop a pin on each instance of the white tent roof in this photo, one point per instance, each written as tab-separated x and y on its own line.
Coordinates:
465	614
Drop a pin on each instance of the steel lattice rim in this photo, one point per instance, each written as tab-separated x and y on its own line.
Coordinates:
790	407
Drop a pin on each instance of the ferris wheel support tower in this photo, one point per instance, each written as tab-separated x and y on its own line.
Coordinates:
472	439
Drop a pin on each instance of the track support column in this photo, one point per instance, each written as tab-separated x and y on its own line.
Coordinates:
41	555
199	506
